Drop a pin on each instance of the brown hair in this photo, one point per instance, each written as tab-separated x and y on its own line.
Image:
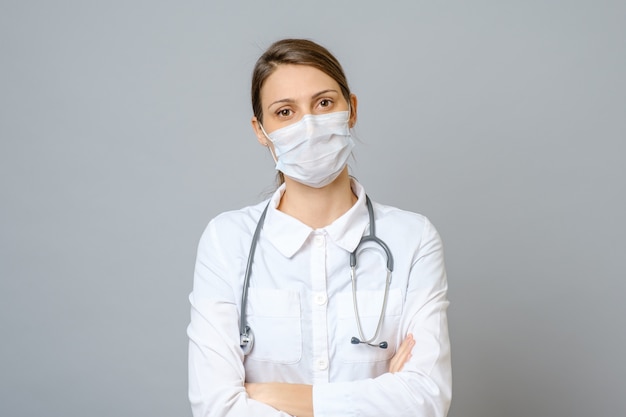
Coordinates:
298	52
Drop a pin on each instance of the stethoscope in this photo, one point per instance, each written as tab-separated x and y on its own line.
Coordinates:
246	336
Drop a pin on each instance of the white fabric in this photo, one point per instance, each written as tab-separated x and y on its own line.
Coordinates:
301	312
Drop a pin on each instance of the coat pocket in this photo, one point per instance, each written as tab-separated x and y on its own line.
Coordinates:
274	317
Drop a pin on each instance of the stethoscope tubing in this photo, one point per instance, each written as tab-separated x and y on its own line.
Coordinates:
243	325
246	335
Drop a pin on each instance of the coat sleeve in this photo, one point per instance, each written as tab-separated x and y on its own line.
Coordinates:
424	387
216	371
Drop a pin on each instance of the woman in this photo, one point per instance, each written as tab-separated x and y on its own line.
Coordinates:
319	342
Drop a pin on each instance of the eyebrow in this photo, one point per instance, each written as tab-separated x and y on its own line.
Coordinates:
290	100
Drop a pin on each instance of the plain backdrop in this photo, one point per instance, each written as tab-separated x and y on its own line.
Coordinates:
125	127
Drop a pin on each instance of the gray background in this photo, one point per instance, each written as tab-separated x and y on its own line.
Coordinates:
125	127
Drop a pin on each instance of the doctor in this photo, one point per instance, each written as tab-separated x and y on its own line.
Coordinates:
328	339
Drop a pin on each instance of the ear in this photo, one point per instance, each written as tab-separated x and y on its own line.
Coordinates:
256	126
353	110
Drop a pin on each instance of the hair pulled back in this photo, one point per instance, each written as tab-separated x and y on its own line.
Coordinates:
297	52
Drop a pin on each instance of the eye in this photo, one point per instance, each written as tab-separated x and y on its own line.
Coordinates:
325	102
284	113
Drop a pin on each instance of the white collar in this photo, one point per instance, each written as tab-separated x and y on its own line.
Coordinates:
288	234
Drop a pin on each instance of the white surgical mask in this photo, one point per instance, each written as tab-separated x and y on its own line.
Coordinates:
314	150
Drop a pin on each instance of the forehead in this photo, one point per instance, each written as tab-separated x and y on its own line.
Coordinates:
296	81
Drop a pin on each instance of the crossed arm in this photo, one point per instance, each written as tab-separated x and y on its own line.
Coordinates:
297	399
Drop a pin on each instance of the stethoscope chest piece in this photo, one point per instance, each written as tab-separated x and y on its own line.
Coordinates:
246	340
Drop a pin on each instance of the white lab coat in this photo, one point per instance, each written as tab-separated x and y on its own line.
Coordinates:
301	311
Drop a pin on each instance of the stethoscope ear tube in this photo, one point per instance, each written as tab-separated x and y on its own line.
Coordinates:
355	340
353	258
372	238
380	243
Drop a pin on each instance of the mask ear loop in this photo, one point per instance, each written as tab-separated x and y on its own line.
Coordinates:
349	116
267	144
